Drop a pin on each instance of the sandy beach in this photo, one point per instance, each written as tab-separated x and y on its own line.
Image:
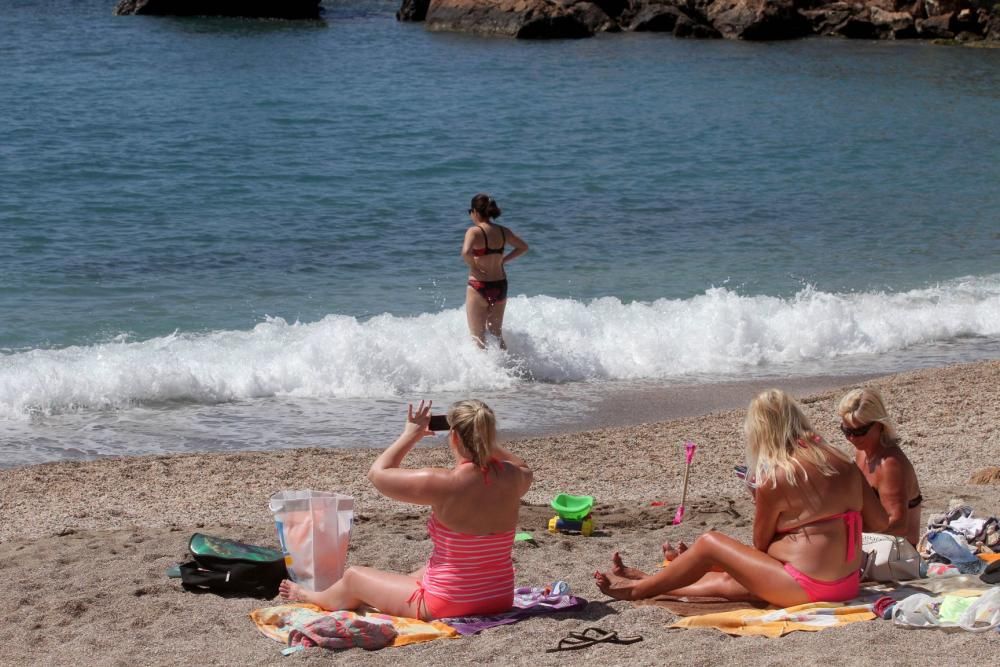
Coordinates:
84	546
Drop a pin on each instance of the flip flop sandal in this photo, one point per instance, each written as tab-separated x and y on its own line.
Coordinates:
589	637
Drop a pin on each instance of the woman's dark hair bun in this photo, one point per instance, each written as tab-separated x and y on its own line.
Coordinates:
486	206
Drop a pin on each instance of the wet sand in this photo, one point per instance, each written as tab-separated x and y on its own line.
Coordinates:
84	546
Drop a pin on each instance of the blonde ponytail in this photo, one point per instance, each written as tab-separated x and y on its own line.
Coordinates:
476	426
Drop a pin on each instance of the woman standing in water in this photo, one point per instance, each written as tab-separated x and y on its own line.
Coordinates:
486	294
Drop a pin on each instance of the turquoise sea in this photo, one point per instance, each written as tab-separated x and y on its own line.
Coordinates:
235	234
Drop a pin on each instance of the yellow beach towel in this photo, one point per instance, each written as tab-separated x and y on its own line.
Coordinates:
775	623
278	622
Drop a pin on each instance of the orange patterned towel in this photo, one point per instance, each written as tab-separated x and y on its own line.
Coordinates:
775	623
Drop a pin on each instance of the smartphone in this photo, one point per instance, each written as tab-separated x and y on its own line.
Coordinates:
439	423
740	471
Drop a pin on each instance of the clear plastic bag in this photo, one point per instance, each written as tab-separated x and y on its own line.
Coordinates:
983	614
314	529
923	611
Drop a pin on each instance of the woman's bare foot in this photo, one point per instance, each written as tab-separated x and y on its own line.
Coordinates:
618	588
292	592
620	569
670	553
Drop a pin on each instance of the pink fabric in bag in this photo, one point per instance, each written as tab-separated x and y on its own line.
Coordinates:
314	528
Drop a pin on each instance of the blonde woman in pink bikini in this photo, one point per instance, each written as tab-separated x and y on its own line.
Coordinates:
470	570
810	503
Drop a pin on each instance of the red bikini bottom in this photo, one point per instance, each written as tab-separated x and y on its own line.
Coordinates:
494	291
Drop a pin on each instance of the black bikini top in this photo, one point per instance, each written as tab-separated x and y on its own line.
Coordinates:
913	504
479	252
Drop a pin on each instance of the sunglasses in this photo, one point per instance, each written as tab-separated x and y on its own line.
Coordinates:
856	432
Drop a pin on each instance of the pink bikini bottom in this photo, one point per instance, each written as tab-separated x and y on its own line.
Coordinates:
437	607
827	591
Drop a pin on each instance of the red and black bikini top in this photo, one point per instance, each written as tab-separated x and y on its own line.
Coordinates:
479	252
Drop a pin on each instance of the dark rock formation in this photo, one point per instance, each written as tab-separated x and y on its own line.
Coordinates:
686	27
413	10
527	19
757	19
935	27
975	22
858	26
655	18
993	24
828	20
893	25
939	7
731	19
964	25
278	9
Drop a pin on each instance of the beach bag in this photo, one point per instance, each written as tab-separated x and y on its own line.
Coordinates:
228	567
888	558
314	529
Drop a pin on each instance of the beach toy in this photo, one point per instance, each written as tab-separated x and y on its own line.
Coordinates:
689	448
525	538
573	515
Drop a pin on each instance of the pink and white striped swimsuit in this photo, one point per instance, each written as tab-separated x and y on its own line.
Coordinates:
468	574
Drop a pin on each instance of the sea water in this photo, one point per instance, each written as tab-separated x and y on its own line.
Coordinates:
236	234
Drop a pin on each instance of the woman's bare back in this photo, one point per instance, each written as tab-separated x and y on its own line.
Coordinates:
482	503
805	534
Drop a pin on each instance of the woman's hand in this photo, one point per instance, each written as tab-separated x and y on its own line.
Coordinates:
418	422
421	486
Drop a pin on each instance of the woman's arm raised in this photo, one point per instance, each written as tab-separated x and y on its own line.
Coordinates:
420	486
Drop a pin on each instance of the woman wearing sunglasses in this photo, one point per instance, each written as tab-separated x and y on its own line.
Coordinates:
810	504
483	250
866	425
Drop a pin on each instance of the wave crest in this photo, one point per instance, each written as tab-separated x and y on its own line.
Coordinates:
719	332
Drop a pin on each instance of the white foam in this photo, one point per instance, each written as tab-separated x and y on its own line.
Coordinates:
719	332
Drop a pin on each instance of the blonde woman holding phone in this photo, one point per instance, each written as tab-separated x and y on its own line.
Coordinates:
474	512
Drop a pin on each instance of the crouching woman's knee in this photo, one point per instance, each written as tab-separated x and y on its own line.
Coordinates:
710	541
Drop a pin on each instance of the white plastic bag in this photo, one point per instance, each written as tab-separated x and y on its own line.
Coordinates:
922	611
314	529
917	611
983	614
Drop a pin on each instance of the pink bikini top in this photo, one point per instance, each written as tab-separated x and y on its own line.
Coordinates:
852	523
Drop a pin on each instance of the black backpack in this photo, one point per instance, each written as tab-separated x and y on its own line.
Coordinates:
227	567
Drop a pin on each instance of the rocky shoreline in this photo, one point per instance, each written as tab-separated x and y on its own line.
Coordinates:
958	20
